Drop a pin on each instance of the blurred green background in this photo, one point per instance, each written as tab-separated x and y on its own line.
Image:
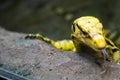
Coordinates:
53	18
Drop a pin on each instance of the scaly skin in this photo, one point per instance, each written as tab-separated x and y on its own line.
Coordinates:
87	30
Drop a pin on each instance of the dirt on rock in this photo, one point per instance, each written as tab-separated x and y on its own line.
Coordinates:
38	60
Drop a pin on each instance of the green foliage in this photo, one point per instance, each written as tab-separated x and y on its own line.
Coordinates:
54	18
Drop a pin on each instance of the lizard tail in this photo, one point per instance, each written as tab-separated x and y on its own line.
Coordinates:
40	37
61	44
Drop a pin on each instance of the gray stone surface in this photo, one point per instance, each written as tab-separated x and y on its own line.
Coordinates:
38	60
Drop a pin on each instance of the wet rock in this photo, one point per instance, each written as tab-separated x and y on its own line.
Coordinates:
38	60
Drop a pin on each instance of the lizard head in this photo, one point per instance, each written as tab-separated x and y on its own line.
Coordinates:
89	30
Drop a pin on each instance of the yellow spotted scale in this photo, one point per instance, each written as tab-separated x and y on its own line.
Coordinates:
87	30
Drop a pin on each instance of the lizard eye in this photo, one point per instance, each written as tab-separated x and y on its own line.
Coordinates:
85	34
73	27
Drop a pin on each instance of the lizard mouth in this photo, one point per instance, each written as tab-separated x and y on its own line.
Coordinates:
105	54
